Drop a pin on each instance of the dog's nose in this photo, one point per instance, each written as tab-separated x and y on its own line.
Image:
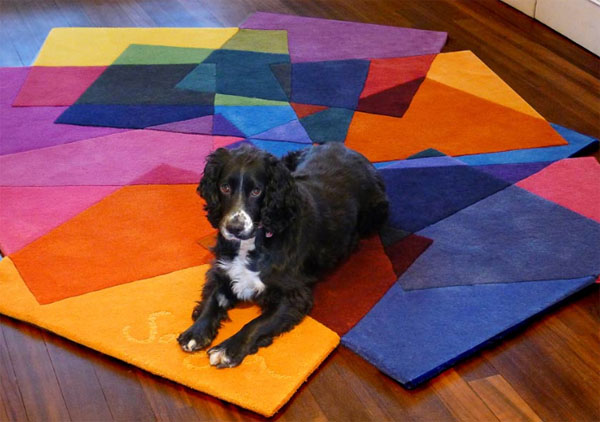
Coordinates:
235	226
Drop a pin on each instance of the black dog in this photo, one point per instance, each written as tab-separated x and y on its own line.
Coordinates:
281	224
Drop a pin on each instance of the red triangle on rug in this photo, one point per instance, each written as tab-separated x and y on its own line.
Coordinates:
389	73
303	110
391	102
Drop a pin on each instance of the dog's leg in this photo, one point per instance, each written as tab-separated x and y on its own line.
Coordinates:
217	299
275	319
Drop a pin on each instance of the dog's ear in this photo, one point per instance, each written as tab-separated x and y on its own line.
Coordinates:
209	185
282	200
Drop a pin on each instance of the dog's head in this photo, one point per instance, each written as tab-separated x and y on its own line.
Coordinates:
246	189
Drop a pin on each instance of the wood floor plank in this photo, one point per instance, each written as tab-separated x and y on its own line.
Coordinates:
421	404
555	380
503	400
122	390
166	398
34	372
77	379
538	33
582	315
556	79
329	398
474	368
304	405
9	55
33	23
3	410
208	408
11	402
460	399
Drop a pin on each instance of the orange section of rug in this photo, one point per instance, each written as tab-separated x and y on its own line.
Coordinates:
135	233
451	121
464	71
139	322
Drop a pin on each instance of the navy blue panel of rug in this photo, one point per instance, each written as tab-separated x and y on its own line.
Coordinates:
333	83
424	195
414	335
513	172
130	116
511	236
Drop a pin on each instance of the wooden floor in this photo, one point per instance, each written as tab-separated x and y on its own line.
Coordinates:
550	371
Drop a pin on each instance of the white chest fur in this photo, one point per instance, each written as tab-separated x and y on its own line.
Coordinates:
245	283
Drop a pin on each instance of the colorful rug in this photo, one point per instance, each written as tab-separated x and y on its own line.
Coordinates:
104	137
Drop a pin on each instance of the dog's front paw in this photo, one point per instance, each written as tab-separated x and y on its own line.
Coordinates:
194	338
228	354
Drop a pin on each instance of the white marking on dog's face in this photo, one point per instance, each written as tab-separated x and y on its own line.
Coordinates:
245	283
237	216
218	357
241	201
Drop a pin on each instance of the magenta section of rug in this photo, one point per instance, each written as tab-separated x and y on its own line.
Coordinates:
40	130
56	85
118	159
28	213
573	183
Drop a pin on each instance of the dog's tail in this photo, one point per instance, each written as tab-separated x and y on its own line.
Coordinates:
293	158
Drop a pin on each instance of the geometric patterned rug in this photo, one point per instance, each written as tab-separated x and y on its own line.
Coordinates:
103	140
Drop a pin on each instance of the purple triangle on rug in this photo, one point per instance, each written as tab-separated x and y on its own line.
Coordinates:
513	172
223	127
289	132
202	125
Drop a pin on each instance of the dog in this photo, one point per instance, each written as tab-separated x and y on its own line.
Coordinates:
282	223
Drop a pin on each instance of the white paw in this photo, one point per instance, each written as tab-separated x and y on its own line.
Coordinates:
190	346
218	357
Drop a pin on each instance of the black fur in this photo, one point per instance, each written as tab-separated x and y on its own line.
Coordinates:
308	212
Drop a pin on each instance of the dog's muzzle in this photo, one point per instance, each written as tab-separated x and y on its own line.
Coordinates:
237	225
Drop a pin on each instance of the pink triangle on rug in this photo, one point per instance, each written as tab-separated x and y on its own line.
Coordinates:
200	125
573	183
99	161
56	86
165	174
289	132
223	141
28	213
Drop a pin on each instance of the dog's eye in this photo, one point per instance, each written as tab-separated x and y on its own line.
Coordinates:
255	192
225	188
